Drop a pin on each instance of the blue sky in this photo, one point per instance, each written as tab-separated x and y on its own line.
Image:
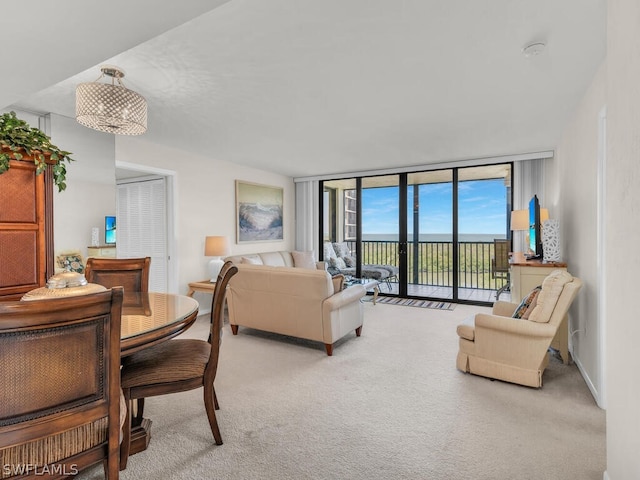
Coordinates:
482	208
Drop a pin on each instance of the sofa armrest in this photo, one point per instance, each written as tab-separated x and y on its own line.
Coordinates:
515	326
345	297
504	309
321	265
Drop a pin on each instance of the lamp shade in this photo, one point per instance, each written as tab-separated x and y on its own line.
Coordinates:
520	220
110	107
216	246
544	215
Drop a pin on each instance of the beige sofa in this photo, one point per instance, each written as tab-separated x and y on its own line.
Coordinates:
515	350
300	302
274	259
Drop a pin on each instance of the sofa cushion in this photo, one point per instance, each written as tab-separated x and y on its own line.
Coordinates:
527	304
349	261
304	260
329	252
338	262
251	260
552	287
276	259
342	249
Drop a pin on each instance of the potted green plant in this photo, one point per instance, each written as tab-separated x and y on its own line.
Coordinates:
19	140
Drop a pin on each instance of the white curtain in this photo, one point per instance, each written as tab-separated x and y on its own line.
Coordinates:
307	216
528	180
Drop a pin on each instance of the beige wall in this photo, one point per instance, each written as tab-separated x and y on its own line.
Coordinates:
622	232
571	185
90	193
205	202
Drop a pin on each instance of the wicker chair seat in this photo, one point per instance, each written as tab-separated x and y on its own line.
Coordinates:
167	362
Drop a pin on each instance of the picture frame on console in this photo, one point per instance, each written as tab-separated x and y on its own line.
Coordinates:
259	212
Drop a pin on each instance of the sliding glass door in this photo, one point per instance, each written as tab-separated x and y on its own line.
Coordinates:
430	242
433	231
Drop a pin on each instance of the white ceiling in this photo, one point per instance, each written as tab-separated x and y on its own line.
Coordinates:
310	87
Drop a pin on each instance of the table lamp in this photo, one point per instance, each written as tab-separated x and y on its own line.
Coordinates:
520	221
216	247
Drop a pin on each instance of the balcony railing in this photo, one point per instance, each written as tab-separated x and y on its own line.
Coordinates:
431	263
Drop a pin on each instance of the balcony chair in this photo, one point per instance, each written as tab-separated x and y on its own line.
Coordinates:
500	267
178	365
130	273
515	350
338	257
60	384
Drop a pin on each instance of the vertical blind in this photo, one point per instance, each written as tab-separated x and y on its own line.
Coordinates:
142	227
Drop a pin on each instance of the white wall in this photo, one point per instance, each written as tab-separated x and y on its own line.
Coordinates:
205	202
91	184
623	232
571	182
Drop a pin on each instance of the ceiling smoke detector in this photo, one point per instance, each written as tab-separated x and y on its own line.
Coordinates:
533	49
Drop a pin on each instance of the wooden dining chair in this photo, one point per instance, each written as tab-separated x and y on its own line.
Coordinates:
60	385
130	273
178	365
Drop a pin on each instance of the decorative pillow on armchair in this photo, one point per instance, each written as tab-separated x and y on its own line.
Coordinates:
527	304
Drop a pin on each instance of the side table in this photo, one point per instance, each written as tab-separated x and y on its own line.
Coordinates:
203	286
367	283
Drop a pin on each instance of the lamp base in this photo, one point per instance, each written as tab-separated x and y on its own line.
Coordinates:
215	265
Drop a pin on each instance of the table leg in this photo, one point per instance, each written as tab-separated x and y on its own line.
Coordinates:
376	291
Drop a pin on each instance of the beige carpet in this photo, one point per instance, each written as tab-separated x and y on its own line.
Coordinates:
388	405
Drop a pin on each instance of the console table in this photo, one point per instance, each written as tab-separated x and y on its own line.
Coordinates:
527	275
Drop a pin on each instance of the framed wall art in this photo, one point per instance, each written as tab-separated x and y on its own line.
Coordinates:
259	212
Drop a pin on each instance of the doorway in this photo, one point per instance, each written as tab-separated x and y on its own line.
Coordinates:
146	227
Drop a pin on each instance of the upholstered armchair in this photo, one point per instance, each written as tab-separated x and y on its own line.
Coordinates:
499	346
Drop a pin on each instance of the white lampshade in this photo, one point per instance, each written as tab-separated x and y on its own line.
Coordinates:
520	220
544	215
216	247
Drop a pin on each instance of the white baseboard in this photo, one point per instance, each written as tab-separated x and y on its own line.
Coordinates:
587	379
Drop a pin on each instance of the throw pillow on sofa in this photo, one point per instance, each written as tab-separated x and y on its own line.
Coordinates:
304	260
252	260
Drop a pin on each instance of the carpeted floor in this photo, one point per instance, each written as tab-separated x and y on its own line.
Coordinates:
388	405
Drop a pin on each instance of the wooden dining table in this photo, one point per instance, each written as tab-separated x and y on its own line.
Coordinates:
150	318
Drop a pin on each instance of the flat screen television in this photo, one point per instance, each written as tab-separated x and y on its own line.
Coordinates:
110	230
535	231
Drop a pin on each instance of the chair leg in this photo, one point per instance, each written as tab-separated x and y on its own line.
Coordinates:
126	431
139	411
209	405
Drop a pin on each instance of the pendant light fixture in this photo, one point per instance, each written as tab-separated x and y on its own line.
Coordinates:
110	107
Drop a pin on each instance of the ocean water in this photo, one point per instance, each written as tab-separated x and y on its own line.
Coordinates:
436	237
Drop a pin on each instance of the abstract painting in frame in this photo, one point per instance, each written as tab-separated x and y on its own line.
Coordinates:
259	212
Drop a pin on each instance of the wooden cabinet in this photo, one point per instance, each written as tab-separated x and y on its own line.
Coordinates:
108	251
26	229
527	275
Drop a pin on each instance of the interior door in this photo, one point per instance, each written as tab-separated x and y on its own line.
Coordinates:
142	226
